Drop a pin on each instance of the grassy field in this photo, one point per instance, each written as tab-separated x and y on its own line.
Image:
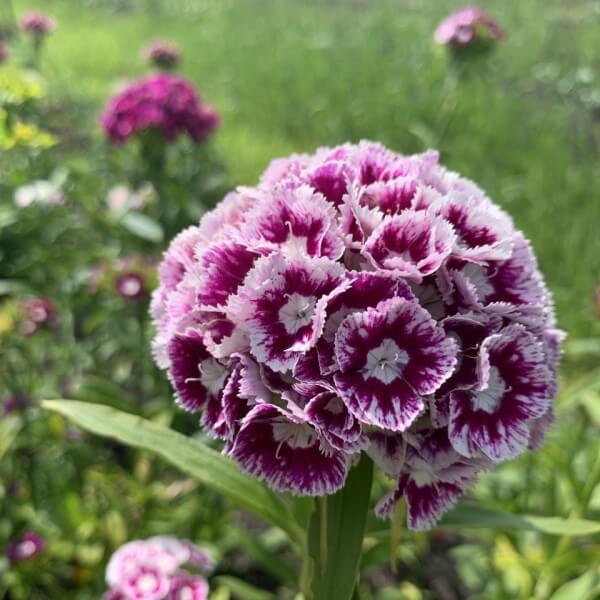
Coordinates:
290	76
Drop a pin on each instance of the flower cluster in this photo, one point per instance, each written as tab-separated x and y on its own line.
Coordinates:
360	300
161	102
152	570
29	545
163	54
37	23
468	26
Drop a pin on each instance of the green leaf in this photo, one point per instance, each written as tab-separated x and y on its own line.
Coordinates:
242	590
473	516
268	559
206	465
143	226
12	286
584	587
345	528
9	428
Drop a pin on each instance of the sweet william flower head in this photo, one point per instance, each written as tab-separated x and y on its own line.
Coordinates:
359	300
163	103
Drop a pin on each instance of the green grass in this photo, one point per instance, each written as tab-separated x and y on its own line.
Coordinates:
292	75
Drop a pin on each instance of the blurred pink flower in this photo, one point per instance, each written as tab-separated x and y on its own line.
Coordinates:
163	54
131	286
37	23
29	545
467	25
152	570
163	102
38	312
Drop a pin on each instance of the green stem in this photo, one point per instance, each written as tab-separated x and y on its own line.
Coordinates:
339	532
322	502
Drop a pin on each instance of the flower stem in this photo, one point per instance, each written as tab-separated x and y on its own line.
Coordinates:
337	528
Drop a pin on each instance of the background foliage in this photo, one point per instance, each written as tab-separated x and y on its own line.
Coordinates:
285	76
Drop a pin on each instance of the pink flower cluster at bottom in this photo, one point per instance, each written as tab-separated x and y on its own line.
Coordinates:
152	570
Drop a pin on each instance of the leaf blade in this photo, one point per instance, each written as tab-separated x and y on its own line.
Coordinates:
206	465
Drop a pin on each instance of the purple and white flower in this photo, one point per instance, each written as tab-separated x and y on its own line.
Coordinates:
358	300
390	357
514	387
432	478
288	453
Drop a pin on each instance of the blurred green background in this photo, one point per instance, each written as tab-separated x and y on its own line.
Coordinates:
289	76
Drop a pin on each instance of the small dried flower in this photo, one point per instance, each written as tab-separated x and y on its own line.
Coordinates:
37	23
29	545
162	102
163	54
360	300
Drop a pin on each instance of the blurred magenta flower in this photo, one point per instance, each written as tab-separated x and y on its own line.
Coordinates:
37	23
163	54
359	300
4	53
29	545
15	402
152	569
163	102
131	286
466	26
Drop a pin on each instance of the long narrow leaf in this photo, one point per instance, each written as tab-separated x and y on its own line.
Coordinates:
206	465
470	516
